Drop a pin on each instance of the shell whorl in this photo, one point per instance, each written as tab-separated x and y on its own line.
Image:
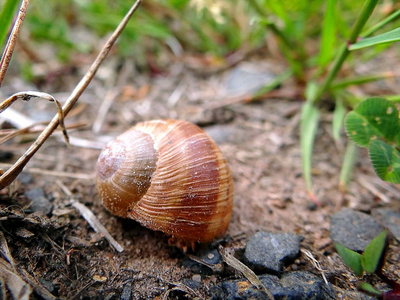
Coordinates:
181	183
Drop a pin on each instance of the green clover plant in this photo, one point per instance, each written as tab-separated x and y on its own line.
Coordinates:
375	124
371	261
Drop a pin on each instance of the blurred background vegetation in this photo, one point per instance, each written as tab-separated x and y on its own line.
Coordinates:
217	28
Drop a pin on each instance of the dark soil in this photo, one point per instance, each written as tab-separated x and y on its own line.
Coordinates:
260	141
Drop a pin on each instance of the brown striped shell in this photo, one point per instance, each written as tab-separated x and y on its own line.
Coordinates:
170	176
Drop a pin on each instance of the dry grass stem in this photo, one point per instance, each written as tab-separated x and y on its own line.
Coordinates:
9	176
18	288
82	176
37	286
26	96
11	133
88	215
12	40
232	261
369	185
316	264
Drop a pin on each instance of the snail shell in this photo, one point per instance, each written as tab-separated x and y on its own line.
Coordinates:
170	176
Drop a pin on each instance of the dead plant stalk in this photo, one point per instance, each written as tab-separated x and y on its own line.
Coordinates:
8	177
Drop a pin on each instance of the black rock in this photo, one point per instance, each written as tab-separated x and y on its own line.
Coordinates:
127	291
25	178
299	285
354	229
292	286
210	257
270	252
35	193
235	290
39	201
389	219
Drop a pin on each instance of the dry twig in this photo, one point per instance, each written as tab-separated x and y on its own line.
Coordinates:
88	215
9	176
18	288
316	264
246	271
12	40
26	96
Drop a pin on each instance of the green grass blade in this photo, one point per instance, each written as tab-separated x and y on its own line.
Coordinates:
373	253
343	52
382	23
357	80
385	160
328	34
6	18
350	158
308	130
338	117
384	38
351	258
369	288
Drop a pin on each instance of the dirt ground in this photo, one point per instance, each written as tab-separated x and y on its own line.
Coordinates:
260	141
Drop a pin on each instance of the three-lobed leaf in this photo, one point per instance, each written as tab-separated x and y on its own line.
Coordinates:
351	258
371	119
373	253
385	160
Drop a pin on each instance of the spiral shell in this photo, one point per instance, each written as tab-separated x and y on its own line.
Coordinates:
170	176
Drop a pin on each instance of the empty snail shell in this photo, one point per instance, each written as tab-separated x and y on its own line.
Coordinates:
170	176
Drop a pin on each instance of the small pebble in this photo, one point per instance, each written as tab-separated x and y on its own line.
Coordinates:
127	291
208	256
25	178
353	229
39	201
270	252
292	286
196	277
389	219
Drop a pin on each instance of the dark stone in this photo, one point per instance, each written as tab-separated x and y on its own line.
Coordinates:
354	229
48	284
39	201
194	285
210	257
270	252
236	290
25	178
127	291
299	285
35	193
389	219
292	286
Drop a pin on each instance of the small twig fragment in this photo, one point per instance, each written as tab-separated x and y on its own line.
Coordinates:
12	40
18	288
246	271
44	172
5	251
37	286
26	96
88	215
316	264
